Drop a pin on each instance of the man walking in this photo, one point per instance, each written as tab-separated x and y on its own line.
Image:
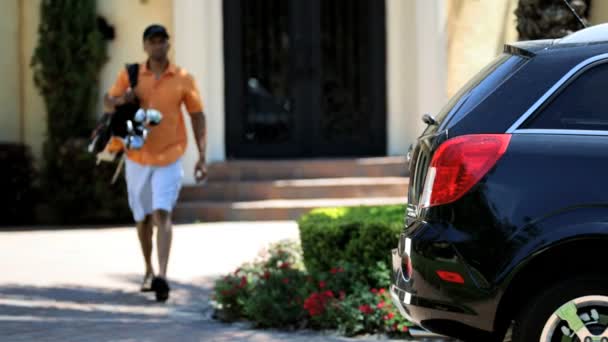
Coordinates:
154	172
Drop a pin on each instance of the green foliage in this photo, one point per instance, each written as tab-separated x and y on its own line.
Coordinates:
268	291
276	300
66	64
369	310
361	236
275	291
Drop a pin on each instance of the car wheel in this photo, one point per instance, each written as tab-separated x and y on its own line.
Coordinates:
573	310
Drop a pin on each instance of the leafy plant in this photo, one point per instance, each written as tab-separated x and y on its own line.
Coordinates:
275	291
66	64
361	236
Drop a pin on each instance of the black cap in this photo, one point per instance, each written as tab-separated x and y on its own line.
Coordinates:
155	30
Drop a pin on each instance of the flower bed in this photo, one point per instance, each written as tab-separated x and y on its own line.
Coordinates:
276	291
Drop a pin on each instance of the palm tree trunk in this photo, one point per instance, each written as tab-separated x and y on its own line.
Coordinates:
549	19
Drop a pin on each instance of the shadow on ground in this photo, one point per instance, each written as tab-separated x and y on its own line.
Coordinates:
67	313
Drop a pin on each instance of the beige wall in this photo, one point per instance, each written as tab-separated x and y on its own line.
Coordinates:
599	12
34	112
416	68
477	31
10	111
199	46
130	18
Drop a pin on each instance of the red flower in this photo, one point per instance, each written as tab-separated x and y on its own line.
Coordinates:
285	265
366	309
381	305
390	315
405	329
374	291
316	303
266	275
321	284
285	280
336	270
381	292
243	282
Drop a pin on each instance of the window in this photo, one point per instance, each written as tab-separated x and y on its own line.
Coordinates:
581	105
479	87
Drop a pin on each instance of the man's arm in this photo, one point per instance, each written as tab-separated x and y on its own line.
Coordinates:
111	102
120	92
199	126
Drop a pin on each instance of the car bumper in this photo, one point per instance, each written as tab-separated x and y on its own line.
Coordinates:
458	310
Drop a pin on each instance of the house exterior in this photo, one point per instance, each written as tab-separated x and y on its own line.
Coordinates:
284	79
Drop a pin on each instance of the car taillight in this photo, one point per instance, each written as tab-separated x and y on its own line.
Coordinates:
460	163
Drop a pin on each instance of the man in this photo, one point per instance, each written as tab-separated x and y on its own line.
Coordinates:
154	173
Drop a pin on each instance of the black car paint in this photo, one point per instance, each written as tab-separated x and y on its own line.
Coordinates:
546	190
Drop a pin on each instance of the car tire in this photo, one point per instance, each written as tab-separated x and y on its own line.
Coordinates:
531	320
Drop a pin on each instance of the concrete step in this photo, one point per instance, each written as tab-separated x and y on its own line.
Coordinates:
296	189
256	170
268	210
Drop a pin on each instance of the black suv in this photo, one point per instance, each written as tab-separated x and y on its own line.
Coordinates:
506	234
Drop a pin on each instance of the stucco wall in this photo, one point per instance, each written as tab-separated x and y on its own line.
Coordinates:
416	67
10	111
200	49
477	31
33	110
129	18
599	12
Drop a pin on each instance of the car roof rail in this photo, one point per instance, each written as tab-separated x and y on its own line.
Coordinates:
593	34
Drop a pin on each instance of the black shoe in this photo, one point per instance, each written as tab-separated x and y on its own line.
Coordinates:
146	284
161	288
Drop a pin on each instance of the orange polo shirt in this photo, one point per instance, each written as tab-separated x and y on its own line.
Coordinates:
167	141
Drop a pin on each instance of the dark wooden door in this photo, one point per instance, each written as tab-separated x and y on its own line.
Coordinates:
305	78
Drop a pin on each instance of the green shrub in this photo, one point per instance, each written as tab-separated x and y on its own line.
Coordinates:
361	236
275	291
80	192
268	291
369	310
66	66
17	178
276	301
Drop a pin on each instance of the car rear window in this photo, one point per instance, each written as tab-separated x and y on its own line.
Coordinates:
478	88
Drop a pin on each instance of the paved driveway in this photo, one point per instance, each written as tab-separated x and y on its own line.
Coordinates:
82	284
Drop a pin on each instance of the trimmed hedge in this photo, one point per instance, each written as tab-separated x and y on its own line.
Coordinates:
362	236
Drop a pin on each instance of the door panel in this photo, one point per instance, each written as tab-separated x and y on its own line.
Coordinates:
304	78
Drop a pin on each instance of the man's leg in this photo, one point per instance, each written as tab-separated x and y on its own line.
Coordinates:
139	189
164	236
166	183
144	232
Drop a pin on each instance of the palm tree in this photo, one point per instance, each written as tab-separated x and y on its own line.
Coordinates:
547	19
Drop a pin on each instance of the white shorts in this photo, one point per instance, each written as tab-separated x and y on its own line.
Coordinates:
152	188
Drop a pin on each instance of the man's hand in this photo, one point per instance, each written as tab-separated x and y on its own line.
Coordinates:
111	102
200	170
128	97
